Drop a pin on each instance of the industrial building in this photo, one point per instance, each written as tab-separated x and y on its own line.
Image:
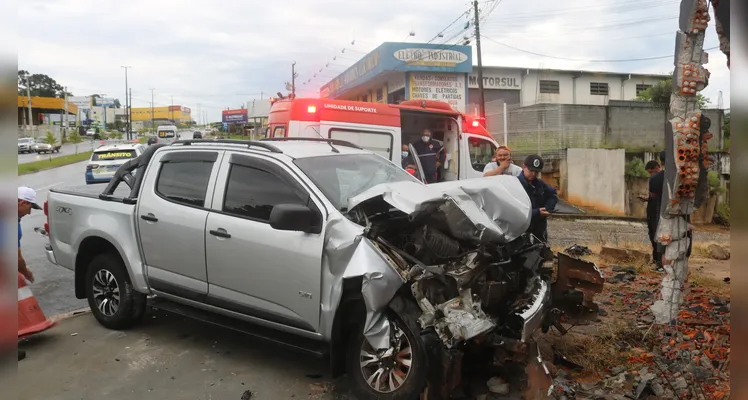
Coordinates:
404	71
176	114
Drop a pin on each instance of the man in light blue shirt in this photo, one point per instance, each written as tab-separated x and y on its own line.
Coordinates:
503	164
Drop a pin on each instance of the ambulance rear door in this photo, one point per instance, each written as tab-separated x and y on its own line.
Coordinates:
382	140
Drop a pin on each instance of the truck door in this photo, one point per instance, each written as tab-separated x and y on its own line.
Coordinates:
254	269
171	215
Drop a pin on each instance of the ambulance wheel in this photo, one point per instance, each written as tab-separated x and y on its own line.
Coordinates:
114	302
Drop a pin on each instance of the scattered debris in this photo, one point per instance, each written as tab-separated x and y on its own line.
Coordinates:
718	252
618	253
498	386
578	250
246	395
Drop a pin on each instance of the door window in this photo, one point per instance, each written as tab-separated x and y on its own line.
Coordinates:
252	193
279	131
376	142
481	152
184	182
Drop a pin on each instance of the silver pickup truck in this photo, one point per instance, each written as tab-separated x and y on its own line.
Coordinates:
325	247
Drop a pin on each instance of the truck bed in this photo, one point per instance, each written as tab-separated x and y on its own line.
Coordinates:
92	191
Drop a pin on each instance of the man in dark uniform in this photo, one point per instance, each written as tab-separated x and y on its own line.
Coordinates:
656	181
430	156
542	196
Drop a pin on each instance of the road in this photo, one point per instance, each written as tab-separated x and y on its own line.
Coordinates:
53	287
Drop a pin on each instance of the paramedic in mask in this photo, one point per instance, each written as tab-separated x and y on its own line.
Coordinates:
502	165
430	156
405	154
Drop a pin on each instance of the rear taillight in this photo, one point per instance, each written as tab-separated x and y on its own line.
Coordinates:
46	213
92	166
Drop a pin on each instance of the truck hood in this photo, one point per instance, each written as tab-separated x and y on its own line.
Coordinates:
487	210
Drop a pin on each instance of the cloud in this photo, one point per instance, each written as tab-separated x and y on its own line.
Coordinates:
223	53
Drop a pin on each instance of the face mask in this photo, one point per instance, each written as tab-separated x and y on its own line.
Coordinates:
426	138
405	154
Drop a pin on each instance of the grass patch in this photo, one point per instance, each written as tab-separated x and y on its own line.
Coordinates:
41	165
611	346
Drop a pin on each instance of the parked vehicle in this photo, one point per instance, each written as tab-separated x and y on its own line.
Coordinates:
152	140
384	128
106	159
25	145
167	134
47	148
320	245
197	135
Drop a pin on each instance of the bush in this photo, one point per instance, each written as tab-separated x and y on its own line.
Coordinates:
714	183
722	216
636	168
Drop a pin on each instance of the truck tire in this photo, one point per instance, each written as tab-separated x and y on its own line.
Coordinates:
114	302
408	380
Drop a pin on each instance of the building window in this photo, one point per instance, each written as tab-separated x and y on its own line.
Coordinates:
599	88
641	87
549	87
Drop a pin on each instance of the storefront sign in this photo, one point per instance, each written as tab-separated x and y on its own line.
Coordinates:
431	57
446	87
360	71
496	81
234	116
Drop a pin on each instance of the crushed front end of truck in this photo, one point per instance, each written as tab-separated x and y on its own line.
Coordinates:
460	252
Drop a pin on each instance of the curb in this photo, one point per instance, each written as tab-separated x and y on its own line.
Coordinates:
71	314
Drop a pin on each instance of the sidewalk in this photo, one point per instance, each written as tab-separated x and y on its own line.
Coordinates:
166	357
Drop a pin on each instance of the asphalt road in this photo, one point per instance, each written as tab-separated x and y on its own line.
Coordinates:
53	286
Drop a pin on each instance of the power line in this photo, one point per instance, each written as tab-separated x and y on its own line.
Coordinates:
583	60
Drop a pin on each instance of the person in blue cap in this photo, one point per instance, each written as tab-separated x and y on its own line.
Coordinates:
543	196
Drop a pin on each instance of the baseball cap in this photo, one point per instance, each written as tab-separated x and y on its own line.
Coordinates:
28	194
533	162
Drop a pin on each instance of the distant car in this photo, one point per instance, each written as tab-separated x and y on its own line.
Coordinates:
25	145
152	140
91	132
47	148
197	135
106	159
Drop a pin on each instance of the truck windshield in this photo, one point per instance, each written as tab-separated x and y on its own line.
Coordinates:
342	177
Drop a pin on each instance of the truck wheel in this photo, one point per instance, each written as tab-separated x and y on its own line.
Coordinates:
111	296
400	376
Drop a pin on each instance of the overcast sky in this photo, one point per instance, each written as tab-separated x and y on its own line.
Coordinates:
217	54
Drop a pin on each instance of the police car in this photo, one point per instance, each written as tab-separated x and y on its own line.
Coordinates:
106	159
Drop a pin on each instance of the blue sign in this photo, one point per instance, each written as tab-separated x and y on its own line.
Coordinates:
225	126
402	57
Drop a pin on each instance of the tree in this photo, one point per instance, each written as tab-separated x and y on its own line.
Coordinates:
75	138
40	85
51	140
660	93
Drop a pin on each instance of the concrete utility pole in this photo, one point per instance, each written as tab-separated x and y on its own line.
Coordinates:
481	99
153	126
65	117
172	108
28	95
686	185
293	80
129	111
127	106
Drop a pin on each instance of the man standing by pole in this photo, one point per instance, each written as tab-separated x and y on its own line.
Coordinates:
656	180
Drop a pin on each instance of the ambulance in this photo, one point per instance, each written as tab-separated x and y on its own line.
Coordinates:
385	128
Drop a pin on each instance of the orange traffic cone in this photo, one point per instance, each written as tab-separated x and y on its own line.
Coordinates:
31	319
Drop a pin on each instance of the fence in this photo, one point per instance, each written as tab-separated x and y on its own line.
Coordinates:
548	129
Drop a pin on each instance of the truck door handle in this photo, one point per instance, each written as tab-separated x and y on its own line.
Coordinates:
150	217
220	233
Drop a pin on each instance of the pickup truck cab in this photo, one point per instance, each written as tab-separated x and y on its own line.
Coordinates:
313	243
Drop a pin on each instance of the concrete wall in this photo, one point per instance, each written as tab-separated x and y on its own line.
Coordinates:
595	178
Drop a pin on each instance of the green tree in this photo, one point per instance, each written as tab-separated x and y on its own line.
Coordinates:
660	93
116	135
51	140
76	139
40	85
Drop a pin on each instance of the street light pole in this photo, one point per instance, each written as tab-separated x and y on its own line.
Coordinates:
127	104
153	126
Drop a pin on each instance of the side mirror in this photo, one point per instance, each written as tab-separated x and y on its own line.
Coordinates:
294	217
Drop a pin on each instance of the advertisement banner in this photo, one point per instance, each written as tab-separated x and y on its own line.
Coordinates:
234	116
449	88
104	102
83	102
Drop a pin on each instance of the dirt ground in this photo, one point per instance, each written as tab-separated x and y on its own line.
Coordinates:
623	353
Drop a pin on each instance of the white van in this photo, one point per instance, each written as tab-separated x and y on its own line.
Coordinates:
167	134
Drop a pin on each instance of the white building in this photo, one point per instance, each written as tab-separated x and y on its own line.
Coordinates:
528	86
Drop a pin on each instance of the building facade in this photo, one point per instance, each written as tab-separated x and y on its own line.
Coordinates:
177	114
404	71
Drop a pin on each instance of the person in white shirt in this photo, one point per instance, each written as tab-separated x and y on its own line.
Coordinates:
502	165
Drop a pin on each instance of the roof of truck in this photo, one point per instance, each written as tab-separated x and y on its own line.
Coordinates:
294	147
